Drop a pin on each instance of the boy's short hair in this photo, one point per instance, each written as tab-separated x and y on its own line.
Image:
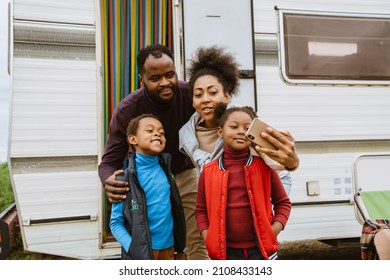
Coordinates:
133	124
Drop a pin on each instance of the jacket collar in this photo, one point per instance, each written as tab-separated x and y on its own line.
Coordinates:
164	158
221	166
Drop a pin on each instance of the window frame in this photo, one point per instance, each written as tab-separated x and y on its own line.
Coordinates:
283	64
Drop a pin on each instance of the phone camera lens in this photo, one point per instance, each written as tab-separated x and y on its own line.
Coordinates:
250	136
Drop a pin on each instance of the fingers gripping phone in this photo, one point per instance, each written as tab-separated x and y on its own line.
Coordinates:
253	134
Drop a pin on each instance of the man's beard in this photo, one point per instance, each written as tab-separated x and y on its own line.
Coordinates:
156	98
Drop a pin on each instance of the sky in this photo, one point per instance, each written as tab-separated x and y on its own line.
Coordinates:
5	81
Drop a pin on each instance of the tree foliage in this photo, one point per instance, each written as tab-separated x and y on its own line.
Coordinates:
6	194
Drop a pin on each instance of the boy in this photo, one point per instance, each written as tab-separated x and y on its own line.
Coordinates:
150	223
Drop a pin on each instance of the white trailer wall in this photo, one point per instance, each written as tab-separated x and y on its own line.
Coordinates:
265	21
332	126
316	113
54	128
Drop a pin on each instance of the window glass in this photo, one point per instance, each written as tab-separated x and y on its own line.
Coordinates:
336	48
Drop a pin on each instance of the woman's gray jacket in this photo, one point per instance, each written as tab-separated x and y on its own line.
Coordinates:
189	145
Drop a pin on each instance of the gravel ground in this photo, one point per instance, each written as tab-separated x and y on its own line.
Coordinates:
303	250
316	250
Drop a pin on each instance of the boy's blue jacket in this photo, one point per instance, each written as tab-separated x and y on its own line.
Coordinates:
136	220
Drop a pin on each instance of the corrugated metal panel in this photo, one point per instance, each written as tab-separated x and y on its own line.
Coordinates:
329	165
54	34
321	222
331	126
56	195
54	128
73	240
323	113
333	173
54	108
50	195
266	17
70	11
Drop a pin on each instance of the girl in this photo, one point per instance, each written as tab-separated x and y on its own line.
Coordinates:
241	205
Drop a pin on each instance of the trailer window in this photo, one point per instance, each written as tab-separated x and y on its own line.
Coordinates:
341	48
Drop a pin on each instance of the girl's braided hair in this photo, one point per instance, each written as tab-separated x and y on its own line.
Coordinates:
222	113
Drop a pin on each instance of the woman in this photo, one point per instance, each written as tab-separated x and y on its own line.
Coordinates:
214	78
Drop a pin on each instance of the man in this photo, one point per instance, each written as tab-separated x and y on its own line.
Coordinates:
170	100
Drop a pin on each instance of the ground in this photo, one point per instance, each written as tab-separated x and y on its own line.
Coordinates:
302	250
316	250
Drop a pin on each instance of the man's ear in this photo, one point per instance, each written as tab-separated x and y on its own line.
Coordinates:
141	81
132	140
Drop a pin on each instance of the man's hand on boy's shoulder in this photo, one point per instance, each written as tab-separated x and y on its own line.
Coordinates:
115	190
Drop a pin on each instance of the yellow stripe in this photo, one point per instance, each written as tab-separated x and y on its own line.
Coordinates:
164	22
133	41
105	67
148	20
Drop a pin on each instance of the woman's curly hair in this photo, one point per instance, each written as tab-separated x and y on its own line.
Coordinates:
217	62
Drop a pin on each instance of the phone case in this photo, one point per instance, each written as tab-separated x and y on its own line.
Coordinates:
253	134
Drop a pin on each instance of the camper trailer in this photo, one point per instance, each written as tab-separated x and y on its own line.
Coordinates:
319	69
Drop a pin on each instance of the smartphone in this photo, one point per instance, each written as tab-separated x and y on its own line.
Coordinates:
253	134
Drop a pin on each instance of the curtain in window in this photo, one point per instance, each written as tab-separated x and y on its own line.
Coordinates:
129	25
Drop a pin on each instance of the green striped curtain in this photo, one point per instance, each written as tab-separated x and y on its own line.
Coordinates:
129	25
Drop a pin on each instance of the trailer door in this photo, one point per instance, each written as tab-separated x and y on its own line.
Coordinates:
227	23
